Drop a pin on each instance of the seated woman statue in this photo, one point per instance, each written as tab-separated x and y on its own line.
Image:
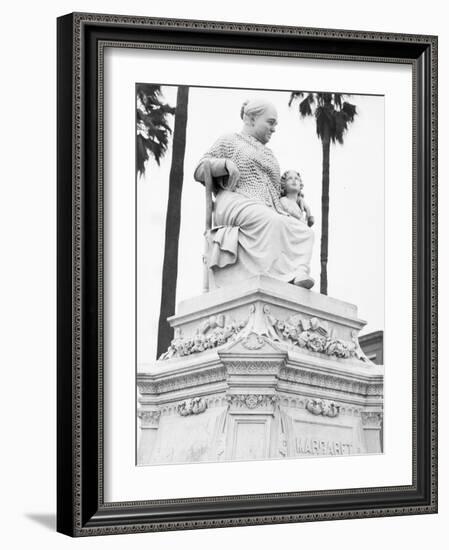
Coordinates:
252	233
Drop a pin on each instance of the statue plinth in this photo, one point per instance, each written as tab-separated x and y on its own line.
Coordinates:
262	369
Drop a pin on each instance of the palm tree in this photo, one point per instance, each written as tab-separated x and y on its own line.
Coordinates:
173	222
332	115
153	132
153	129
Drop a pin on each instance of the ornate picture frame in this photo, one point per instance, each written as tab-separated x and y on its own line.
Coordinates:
81	508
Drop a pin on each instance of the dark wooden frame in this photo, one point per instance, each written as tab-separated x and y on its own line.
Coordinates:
81	509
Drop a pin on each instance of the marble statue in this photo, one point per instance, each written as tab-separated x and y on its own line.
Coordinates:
253	234
293	199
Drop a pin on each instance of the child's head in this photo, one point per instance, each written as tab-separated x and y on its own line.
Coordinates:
291	182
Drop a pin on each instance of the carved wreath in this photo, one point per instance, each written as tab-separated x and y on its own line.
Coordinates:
196	405
323	407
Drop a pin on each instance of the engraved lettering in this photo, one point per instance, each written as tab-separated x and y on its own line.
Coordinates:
322	447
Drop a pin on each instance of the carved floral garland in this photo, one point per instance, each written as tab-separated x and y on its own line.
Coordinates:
314	340
311	334
180	347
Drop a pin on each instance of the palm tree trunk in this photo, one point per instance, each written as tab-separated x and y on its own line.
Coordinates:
173	222
325	214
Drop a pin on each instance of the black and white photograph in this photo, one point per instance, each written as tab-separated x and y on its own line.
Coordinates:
260	266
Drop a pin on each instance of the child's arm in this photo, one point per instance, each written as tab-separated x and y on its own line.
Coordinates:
309	218
306	208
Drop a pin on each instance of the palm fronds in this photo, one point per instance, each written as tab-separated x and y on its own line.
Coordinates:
332	113
153	129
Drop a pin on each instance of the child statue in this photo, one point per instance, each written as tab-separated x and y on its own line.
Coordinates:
292	198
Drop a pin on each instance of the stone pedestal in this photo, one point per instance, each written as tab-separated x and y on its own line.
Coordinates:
260	370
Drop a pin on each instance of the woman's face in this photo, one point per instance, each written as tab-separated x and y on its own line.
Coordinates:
265	124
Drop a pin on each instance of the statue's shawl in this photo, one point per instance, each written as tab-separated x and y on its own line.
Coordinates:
258	167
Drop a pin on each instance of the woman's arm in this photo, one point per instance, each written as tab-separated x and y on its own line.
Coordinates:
217	168
219	160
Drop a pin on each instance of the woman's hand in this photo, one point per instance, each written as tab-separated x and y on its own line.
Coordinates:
234	174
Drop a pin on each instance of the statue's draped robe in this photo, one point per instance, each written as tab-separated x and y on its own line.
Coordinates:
252	233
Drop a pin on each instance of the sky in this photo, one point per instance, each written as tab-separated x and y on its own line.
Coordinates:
356	211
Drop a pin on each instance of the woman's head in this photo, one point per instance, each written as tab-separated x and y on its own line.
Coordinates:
259	118
291	182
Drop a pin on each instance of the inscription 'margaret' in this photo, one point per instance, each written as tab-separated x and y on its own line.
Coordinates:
322	447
